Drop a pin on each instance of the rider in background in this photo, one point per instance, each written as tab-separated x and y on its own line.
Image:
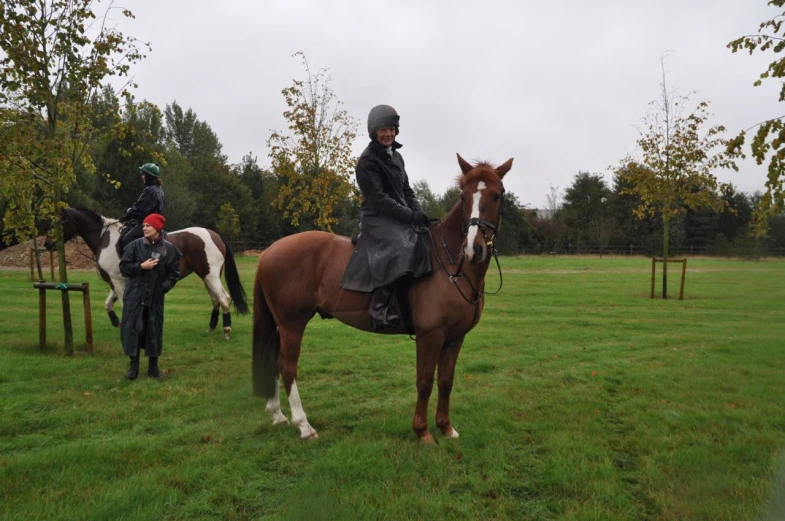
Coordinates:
150	201
389	249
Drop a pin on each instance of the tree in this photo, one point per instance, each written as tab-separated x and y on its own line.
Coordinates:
228	222
770	137
553	202
674	171
428	200
585	210
314	160
448	199
53	60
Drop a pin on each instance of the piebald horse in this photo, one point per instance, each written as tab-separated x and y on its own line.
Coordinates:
300	275
204	252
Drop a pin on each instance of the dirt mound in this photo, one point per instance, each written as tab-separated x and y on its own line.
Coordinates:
77	256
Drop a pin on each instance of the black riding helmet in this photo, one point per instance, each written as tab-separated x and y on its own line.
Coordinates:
382	116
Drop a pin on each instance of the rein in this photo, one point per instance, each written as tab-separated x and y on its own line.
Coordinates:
483	225
459	270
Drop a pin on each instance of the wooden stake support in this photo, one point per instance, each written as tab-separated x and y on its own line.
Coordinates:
683	262
84	287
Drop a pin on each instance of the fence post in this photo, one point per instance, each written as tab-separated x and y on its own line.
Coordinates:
88	318
42	318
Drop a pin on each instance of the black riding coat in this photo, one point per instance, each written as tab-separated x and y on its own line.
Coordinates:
388	247
146	288
150	201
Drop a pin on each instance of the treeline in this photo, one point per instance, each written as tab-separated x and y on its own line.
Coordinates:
239	200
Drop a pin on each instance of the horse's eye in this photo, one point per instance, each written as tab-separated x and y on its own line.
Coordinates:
496	197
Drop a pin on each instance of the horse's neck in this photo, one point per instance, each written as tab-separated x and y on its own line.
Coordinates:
92	237
450	231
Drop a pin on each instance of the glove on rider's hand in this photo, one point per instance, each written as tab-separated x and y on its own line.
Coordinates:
420	218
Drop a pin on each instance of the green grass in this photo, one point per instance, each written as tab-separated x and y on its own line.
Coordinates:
577	398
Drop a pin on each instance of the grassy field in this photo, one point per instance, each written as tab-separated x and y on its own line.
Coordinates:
577	398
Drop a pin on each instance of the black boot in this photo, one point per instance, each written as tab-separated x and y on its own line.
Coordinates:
133	371
383	314
152	368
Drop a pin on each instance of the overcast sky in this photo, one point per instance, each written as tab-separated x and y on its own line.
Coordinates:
559	85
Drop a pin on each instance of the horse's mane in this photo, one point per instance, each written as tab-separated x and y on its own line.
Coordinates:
91	213
482	171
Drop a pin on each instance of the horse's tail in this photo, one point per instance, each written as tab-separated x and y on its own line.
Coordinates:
266	344
236	290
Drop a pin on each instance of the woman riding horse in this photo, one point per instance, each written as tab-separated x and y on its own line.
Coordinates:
299	276
150	201
388	249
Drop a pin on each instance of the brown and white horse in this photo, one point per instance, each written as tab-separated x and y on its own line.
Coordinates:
204	252
300	275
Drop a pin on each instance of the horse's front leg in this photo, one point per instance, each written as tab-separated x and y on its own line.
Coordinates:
447	360
109	306
428	349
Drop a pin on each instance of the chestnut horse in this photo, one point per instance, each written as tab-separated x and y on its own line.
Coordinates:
204	252
300	275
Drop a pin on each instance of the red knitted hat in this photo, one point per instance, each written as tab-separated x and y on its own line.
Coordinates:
156	220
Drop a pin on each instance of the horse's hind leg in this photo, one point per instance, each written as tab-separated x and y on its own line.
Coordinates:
291	339
447	359
221	299
273	406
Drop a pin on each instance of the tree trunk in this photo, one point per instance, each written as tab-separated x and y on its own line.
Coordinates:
665	239
67	327
37	255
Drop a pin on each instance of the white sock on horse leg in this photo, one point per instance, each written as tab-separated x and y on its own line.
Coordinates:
298	414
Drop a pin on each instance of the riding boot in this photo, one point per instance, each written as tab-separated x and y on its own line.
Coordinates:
152	368
133	370
382	309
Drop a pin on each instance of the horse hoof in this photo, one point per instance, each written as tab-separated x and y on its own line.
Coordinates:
210	331
282	420
227	333
309	434
452	433
427	439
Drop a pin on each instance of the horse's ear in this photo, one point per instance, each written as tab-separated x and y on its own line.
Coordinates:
504	168
465	166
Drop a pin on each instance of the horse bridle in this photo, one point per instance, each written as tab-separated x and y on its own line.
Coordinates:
483	225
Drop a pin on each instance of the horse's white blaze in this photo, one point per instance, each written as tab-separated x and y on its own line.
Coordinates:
469	250
215	261
298	414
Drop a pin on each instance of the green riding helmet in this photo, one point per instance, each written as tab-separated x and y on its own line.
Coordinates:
150	168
